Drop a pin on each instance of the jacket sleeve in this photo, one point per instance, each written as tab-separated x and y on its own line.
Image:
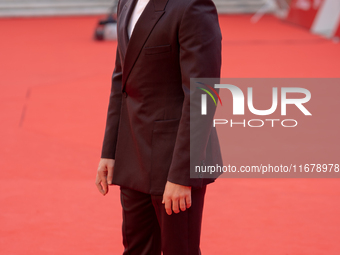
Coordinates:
200	57
113	113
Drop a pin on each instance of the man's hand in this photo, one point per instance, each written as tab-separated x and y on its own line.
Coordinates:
104	175
176	197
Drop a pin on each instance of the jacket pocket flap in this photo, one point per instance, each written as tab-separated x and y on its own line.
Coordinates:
157	49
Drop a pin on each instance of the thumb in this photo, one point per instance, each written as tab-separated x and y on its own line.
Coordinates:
109	174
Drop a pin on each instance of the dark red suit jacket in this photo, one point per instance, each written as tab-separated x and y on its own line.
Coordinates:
148	121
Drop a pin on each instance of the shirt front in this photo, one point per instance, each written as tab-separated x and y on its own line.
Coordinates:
139	8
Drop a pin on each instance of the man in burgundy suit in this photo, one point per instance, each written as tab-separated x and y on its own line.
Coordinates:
146	148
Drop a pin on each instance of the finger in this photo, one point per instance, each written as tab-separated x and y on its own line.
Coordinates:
101	189
188	201
105	186
168	206
175	206
103	182
99	186
182	204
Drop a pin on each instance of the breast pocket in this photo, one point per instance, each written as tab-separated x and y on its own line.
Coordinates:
154	50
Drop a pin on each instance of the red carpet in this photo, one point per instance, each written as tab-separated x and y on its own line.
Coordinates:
54	89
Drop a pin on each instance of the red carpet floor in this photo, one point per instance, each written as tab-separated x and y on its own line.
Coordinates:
54	88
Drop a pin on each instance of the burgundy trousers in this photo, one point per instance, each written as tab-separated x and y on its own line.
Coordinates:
148	230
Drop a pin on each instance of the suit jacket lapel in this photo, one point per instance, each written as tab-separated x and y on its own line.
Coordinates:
150	16
123	23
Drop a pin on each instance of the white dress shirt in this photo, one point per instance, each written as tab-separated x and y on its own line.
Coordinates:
139	8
